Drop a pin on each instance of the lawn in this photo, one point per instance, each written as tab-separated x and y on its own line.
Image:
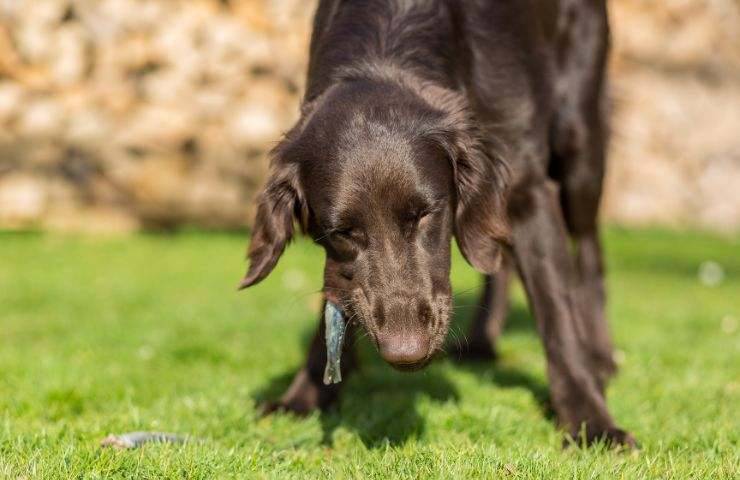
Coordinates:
114	334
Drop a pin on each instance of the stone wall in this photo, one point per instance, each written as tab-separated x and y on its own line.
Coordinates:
675	150
126	114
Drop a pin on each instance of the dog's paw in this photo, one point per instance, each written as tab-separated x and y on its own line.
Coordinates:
296	407
299	403
616	437
612	437
302	397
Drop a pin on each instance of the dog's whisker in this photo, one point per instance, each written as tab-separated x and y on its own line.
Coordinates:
463	292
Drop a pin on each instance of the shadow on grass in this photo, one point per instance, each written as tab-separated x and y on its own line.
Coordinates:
381	405
518	318
509	377
376	402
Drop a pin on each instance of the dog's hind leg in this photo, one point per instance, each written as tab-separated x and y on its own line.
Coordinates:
580	182
579	137
490	316
307	391
546	268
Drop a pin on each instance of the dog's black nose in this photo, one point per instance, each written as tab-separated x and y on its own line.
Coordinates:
405	351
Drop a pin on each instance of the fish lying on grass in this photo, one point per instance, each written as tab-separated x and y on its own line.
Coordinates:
137	439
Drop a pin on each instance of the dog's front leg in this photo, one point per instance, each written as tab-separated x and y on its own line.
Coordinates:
307	391
547	269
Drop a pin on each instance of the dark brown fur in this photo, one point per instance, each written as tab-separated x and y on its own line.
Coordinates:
425	120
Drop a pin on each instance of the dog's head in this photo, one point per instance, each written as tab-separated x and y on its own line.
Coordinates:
382	174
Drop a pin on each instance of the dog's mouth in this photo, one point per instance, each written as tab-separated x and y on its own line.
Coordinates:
412	367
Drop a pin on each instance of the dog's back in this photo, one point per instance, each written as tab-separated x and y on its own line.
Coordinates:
523	64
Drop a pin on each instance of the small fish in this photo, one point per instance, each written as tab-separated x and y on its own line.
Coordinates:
137	439
335	328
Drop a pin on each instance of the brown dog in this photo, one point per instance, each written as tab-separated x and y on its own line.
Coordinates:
426	119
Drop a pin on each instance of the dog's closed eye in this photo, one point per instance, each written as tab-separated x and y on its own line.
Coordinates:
344	233
346	241
415	215
349	234
418	216
412	218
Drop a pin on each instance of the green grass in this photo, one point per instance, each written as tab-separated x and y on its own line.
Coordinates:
101	335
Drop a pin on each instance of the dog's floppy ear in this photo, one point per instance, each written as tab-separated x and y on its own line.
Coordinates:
481	225
280	202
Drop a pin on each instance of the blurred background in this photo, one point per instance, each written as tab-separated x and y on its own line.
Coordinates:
119	115
157	115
